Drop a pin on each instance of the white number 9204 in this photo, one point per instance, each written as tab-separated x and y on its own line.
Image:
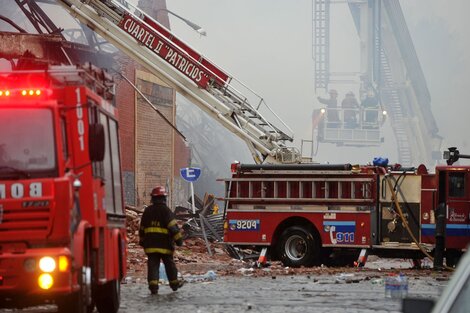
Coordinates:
245	224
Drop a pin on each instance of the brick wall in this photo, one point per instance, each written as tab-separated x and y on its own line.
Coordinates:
154	138
125	96
151	153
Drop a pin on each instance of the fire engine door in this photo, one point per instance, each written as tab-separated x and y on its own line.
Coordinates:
457	206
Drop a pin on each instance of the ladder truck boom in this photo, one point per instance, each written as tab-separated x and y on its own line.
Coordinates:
209	87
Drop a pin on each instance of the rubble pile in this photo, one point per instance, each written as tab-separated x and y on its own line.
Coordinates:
192	257
133	216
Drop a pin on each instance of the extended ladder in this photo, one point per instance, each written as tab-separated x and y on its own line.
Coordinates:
191	74
321	43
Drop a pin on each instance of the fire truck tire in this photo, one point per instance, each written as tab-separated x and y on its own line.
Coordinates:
109	297
452	257
77	302
298	246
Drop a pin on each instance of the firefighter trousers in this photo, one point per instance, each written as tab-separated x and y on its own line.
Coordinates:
153	270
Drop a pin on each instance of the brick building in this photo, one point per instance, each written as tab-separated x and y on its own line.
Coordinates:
152	152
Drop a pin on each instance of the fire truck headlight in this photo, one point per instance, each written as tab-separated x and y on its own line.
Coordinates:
45	281
63	263
29	265
47	264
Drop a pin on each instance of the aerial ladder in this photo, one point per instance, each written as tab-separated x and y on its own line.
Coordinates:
195	77
390	67
356	126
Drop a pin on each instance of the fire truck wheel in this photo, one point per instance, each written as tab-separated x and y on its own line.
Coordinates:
79	302
298	246
453	257
109	297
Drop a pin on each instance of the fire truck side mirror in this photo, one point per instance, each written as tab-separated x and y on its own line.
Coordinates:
96	142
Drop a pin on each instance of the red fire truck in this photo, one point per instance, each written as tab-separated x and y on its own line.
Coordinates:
62	223
307	214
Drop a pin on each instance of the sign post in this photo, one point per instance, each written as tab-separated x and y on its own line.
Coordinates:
191	174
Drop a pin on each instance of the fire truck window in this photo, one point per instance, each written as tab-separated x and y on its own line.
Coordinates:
457	185
27	141
98	168
63	129
113	132
108	174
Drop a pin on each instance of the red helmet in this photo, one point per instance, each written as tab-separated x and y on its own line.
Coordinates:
158	191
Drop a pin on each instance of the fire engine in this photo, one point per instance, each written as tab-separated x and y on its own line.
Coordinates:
62	222
307	214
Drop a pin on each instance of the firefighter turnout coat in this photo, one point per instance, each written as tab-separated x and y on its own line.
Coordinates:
158	229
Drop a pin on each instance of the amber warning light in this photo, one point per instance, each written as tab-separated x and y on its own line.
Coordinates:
31	93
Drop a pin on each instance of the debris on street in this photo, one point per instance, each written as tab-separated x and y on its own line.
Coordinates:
207	277
196	265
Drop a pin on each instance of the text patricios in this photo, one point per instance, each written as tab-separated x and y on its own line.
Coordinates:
165	49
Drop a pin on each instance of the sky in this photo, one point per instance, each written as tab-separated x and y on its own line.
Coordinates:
267	44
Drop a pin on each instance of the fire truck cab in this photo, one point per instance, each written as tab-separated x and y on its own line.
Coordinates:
62	222
307	214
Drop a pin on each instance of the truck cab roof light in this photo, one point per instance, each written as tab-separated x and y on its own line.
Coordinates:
31	93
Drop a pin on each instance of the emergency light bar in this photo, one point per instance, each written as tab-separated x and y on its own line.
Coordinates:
24	93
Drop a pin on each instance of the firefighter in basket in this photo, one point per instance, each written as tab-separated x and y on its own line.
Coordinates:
332	107
157	234
350	106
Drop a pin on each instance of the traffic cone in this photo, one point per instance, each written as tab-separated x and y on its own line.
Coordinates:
361	261
262	257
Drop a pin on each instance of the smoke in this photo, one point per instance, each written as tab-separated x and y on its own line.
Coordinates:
440	36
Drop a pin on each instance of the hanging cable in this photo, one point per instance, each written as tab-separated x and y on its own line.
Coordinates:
152	105
405	222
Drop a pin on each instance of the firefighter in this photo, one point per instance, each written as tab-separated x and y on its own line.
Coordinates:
332	104
157	234
350	106
370	105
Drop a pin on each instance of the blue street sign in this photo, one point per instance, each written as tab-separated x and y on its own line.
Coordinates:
190	174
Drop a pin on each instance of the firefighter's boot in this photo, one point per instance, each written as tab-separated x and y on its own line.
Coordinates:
153	287
177	284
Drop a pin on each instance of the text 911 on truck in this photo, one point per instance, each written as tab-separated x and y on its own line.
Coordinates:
62	221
